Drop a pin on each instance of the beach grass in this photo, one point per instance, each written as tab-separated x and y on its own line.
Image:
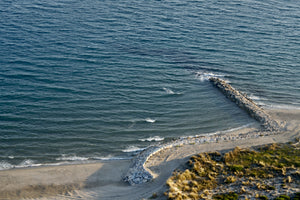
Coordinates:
239	172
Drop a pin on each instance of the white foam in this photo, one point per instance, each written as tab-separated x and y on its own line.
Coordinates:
107	158
149	120
5	165
150	139
220	132
26	163
283	106
133	149
205	76
71	158
168	91
259	100
238	128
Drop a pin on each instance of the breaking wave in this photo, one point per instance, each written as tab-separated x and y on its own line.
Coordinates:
169	91
133	149
205	76
25	163
71	158
149	120
151	139
5	165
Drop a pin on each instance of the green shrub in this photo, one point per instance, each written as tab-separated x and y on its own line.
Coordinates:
236	168
205	171
297	196
283	197
227	196
263	197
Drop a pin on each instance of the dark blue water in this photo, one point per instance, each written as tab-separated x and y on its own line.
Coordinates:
86	80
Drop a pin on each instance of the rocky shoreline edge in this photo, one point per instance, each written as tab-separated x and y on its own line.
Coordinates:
138	174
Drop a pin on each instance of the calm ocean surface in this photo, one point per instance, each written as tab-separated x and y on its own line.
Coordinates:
102	79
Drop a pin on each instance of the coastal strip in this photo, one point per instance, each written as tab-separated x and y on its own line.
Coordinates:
245	103
138	173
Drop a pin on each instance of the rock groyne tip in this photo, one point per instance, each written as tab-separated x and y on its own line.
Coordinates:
244	102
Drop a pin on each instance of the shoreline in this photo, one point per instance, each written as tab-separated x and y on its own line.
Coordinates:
138	173
101	180
150	169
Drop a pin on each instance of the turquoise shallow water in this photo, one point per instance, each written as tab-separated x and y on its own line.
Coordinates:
86	80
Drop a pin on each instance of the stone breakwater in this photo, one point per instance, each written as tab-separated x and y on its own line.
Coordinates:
244	102
138	174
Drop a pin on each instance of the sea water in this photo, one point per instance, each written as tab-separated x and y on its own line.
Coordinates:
102	79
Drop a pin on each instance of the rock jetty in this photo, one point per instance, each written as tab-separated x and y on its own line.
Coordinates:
138	174
244	102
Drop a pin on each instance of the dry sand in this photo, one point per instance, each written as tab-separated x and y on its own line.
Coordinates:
104	180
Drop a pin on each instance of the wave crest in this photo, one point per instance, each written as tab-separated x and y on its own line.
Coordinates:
205	76
133	149
149	120
71	158
150	139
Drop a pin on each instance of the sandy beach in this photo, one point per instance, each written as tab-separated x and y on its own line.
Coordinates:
103	180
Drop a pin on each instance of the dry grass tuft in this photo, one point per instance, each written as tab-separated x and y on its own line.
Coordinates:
206	171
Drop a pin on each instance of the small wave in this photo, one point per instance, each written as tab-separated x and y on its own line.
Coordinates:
205	76
132	149
109	158
5	165
27	163
221	132
149	120
71	158
256	98
168	91
150	139
238	128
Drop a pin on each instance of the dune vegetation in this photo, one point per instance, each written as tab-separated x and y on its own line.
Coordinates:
266	172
